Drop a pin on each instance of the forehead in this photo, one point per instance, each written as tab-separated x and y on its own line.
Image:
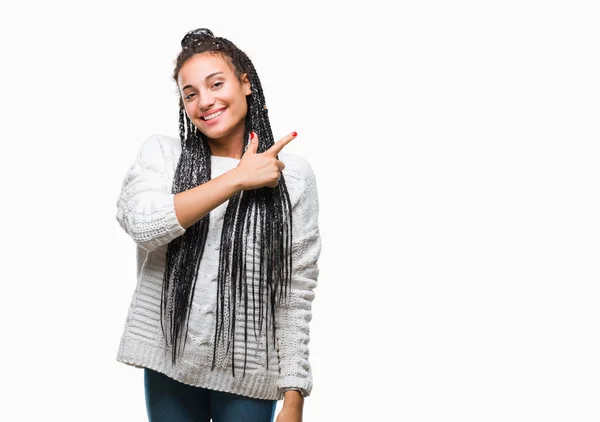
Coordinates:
199	66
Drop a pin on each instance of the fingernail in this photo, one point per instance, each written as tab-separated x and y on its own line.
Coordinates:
294	134
251	135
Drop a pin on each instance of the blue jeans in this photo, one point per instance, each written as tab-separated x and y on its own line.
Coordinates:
168	400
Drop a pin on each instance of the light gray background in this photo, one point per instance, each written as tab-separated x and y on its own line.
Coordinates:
455	146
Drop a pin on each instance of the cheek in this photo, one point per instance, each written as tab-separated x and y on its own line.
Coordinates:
189	110
240	101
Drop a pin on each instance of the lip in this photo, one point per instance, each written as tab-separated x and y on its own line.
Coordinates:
208	113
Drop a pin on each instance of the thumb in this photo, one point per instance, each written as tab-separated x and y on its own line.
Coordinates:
253	144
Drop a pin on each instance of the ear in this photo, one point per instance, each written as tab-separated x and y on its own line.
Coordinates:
246	84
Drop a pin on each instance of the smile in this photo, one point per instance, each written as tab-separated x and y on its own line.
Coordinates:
213	115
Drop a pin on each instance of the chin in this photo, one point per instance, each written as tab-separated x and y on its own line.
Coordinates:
215	134
209	132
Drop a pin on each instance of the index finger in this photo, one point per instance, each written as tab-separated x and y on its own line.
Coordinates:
278	146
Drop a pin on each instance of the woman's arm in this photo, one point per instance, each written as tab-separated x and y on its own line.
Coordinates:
150	213
294	313
254	171
145	205
293	404
193	204
153	216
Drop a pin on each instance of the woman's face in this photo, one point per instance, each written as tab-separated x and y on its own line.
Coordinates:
214	98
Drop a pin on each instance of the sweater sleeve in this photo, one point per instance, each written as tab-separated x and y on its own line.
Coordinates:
145	206
294	314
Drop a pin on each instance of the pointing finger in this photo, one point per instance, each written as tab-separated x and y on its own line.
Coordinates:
278	146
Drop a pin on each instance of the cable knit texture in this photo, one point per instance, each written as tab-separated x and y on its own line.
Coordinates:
145	210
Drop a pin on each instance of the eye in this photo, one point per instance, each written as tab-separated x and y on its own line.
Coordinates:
217	85
189	96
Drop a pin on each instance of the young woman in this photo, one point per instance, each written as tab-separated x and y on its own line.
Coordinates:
227	239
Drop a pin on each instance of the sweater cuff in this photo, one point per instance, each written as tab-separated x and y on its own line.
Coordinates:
161	228
291	383
300	390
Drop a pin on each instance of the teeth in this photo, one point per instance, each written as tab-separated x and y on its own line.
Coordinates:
212	116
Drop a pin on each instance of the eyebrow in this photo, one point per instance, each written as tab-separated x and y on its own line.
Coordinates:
206	79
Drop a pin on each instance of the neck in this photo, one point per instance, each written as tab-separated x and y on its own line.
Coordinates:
231	145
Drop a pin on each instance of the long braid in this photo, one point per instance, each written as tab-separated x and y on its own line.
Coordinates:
185	252
256	222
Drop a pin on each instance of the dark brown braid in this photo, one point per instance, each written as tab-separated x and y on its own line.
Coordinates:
256	222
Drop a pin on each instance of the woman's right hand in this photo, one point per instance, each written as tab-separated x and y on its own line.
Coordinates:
264	169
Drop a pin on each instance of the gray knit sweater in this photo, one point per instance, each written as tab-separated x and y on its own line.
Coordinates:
145	210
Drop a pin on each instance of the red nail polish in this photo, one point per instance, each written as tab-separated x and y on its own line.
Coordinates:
294	134
251	135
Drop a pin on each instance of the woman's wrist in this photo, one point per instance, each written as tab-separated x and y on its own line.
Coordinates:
237	179
293	397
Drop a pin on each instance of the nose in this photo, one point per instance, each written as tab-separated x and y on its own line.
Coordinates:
206	101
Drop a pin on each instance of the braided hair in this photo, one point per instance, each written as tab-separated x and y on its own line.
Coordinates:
257	226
